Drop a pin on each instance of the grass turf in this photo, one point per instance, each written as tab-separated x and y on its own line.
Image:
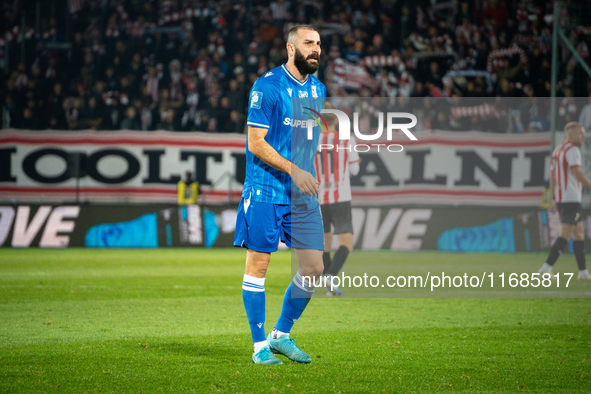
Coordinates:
130	321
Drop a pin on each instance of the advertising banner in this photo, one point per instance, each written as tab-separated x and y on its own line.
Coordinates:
439	168
447	229
110	226
399	228
118	166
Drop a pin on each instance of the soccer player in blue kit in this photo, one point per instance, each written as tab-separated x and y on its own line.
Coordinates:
279	199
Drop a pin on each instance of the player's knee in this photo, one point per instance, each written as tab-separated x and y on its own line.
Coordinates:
327	242
566	231
348	245
312	271
257	264
579	230
346	240
257	272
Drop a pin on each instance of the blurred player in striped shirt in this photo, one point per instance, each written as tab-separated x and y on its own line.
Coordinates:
335	162
566	183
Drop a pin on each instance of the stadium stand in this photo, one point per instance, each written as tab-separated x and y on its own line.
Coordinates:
187	65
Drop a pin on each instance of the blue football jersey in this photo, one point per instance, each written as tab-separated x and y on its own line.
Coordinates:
290	110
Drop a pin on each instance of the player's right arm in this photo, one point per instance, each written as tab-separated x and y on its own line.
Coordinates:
264	151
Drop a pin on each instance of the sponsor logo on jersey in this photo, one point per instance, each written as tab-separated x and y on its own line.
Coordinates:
301	123
289	91
303	93
268	74
317	116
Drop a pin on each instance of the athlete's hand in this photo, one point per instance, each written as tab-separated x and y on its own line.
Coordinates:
552	208
304	181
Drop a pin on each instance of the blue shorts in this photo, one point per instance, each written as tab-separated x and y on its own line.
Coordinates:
259	226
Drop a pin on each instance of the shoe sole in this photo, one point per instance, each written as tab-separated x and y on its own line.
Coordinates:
292	360
279	363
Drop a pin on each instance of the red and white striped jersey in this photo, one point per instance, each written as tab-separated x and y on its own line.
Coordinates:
332	167
566	186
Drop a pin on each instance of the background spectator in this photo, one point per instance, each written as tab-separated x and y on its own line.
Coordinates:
187	65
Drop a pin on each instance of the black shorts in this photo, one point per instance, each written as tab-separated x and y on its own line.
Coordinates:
569	212
339	215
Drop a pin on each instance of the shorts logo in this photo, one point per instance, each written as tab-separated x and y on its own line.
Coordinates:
303	93
247	203
255	100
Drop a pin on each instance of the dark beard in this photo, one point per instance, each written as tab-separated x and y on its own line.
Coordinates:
302	64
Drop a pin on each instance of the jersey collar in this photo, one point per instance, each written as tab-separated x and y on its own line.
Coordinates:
294	78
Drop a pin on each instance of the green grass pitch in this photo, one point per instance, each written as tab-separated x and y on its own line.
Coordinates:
172	320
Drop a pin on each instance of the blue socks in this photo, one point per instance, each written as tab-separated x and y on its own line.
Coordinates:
253	296
297	296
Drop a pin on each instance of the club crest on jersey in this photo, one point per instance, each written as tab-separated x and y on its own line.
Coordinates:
255	99
303	93
314	92
289	91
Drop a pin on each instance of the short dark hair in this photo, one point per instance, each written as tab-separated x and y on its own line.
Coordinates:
294	30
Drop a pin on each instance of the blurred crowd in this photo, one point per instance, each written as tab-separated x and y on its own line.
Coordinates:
187	65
